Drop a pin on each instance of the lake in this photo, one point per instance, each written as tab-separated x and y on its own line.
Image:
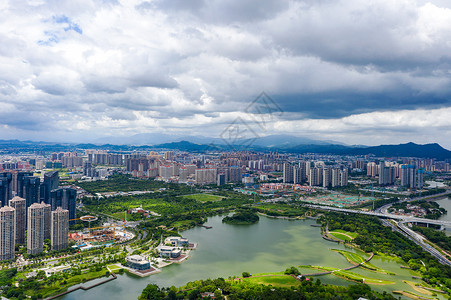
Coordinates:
271	245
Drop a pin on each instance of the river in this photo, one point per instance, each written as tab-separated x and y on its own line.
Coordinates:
446	204
225	250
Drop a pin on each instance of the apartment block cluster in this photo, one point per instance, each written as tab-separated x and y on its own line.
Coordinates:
315	174
220	168
32	211
410	174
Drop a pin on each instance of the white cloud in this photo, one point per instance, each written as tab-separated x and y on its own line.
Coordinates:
99	68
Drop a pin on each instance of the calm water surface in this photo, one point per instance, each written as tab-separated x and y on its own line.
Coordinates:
225	250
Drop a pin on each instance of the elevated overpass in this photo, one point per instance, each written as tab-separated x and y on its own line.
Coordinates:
381	215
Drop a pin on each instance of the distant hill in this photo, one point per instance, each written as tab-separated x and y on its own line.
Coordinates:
270	143
183	146
410	149
406	150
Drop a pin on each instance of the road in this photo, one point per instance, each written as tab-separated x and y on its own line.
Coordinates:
401	228
420	240
381	215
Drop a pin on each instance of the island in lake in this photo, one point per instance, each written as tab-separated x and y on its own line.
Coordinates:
242	217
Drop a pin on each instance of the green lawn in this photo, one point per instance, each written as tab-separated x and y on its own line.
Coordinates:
58	286
344	235
350	233
353	258
203	197
114	268
360	278
274	280
340	236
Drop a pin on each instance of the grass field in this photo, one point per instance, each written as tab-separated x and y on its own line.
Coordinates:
360	278
114	268
418	288
340	236
353	258
350	233
410	295
58	286
274	280
203	197
344	235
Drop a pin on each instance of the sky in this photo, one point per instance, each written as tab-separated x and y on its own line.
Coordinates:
362	72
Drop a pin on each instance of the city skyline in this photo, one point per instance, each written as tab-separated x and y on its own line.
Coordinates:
339	70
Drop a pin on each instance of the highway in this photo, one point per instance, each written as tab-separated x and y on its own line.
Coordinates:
418	239
401	228
381	215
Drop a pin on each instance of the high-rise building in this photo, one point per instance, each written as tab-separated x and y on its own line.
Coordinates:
20	182
335	177
20	205
327	176
372	169
72	161
7	233
316	176
413	177
221	179
30	186
47	220
303	170
183	174
287	173
420	176
296	175
167	171
344	177
206	176
60	229
5	189
67	199
88	169
169	155
51	182
386	174
405	174
35	228
235	174
7	181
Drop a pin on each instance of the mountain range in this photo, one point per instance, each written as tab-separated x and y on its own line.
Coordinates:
280	143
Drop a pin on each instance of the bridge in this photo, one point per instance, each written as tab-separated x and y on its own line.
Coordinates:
382	215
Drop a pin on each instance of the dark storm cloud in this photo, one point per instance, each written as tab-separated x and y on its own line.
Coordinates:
338	105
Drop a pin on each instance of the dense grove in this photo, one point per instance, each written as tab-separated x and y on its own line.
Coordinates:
374	237
124	183
428	192
242	216
243	290
433	209
437	237
163	198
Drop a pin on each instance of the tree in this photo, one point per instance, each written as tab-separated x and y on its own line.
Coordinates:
292	271
246	274
152	291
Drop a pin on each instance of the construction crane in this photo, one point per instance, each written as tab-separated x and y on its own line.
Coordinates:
88	219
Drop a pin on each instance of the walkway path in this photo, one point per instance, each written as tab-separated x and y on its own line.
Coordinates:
345	269
84	288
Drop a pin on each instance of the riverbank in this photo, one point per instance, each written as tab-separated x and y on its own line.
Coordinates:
281	217
228	250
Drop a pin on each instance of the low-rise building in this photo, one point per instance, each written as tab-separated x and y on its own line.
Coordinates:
177	241
169	252
138	262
